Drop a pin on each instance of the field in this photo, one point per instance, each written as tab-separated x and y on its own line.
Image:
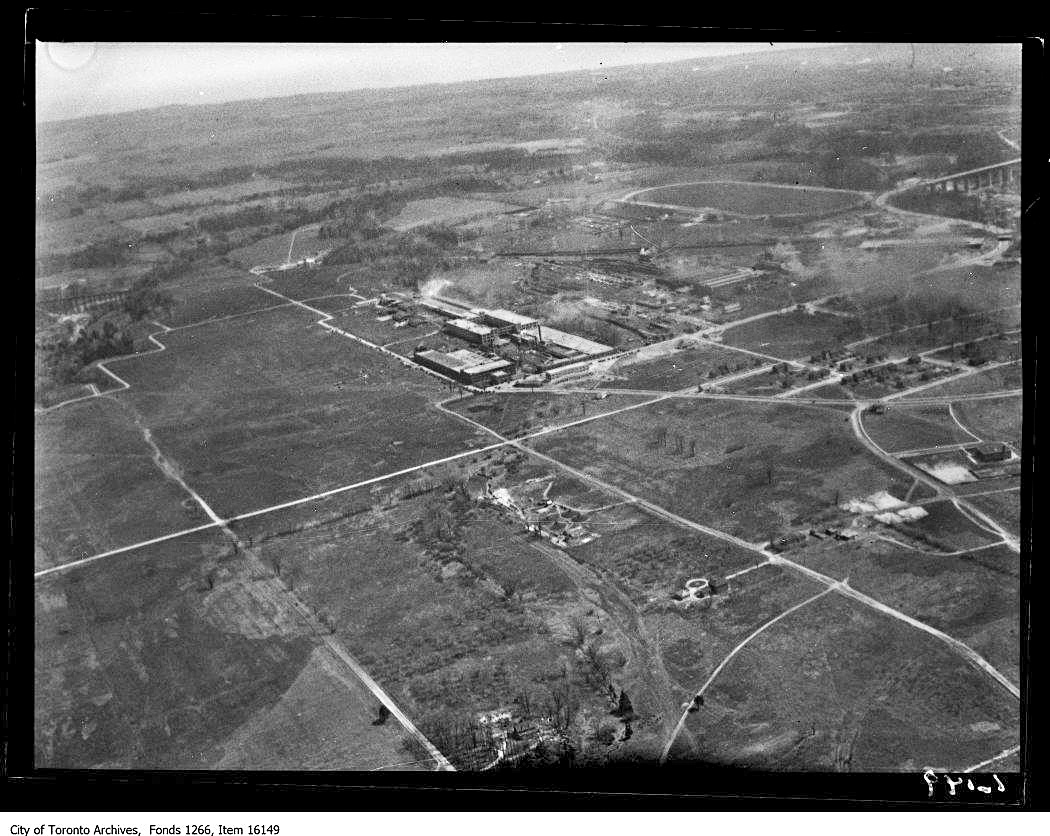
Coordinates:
97	484
748	469
275	249
193	308
752	198
1003	506
231	193
653	524
270	407
794	335
688	367
997	379
445	603
523	412
902	428
182	656
653	558
973	597
444	210
839	687
994	419
945	527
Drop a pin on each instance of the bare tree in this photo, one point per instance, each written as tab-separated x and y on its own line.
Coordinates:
577	631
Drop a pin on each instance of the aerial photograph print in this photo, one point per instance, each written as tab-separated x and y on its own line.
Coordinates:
524	408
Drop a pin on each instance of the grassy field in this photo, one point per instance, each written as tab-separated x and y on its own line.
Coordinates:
518	414
945	527
689	367
183	656
745	468
444	210
653	558
751	198
694	641
996	379
1004	507
837	686
230	193
914	428
794	335
194	308
452	621
270	407
973	597
274	249
97	485
993	420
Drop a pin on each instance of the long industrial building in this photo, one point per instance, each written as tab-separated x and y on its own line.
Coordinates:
470	330
465	366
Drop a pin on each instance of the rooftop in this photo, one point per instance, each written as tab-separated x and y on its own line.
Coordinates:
573	342
471	325
509	317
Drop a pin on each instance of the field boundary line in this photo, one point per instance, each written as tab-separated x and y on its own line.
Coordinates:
1013	750
965	650
841	586
857	423
729	657
334	491
962	426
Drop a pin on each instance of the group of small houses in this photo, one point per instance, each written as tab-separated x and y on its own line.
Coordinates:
563	527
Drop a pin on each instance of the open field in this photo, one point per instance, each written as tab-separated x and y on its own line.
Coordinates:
267	523
181	656
915	428
653	558
444	210
520	413
274	250
744	468
794	335
945	528
973	597
98	485
991	380
270	407
230	193
1004	507
751	198
690	367
997	419
836	686
444	602
192	308
694	640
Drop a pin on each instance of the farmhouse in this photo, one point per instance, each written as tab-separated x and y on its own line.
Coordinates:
464	366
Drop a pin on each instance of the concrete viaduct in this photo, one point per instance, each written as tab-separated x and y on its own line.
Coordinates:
1000	174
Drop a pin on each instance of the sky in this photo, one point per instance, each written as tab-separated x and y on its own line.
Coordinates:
83	79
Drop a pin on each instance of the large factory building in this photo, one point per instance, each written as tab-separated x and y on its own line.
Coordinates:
465	366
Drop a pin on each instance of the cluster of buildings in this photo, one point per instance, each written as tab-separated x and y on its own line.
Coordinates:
497	341
563	527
